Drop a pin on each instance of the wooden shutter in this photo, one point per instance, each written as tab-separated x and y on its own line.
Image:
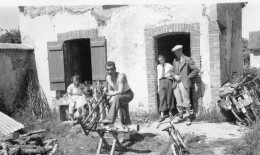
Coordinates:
56	65
98	58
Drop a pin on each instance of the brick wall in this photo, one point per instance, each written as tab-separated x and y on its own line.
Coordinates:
151	53
77	34
214	44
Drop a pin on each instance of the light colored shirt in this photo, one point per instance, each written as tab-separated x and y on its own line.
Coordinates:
168	70
75	90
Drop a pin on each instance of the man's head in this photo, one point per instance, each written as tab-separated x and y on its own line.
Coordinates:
110	68
177	50
75	79
161	59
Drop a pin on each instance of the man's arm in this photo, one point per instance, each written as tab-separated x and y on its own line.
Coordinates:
194	69
171	72
122	80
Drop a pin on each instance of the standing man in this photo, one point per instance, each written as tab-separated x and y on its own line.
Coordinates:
164	77
184	70
119	88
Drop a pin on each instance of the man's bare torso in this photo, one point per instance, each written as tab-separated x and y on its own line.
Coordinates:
113	82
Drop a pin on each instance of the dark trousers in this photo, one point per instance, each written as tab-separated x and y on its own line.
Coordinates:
165	95
121	102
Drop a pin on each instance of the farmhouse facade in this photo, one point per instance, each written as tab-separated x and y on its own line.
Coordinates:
70	40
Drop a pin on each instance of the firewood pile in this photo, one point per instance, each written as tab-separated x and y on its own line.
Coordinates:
28	144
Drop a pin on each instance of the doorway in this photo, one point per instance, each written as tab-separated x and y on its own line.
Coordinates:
164	46
166	43
77	60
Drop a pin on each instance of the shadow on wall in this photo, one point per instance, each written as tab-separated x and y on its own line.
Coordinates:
198	91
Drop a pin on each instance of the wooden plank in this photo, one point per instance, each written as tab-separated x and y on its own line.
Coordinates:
98	58
56	65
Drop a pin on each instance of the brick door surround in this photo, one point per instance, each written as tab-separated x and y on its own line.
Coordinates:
151	53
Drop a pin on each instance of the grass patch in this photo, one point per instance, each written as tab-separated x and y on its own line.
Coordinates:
250	142
212	116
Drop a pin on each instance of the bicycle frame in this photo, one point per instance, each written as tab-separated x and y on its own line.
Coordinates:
178	146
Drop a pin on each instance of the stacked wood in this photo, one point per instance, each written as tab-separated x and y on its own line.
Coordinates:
29	143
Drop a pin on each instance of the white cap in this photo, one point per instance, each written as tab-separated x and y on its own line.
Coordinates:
175	48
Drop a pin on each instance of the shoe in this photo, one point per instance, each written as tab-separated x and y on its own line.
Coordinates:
106	122
188	121
161	119
178	120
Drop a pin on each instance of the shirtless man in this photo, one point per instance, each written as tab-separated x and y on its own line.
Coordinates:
118	87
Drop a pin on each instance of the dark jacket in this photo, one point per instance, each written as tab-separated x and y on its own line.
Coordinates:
187	69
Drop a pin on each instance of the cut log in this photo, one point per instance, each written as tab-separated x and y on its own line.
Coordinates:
4	148
122	128
33	132
54	150
49	142
29	149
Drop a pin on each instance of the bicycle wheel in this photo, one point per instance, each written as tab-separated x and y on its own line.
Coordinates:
175	150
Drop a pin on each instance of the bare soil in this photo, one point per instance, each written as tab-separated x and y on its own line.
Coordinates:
201	138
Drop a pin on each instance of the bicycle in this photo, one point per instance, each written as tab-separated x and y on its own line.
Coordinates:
236	97
178	146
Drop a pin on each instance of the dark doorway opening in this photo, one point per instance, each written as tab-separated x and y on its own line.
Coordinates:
77	60
166	43
164	46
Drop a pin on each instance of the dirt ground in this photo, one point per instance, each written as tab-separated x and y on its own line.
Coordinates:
201	138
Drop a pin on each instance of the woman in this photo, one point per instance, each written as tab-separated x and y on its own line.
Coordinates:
75	95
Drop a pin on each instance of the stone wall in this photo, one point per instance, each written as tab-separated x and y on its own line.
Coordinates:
14	65
225	41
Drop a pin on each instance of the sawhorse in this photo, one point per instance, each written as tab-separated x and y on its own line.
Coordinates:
101	133
103	140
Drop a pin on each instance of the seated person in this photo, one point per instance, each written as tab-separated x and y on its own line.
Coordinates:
119	88
88	93
75	95
98	91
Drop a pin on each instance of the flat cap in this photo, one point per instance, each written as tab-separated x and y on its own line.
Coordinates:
175	48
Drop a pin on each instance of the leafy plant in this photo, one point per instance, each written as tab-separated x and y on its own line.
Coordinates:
10	36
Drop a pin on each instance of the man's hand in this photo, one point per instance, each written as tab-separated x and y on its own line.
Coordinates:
177	77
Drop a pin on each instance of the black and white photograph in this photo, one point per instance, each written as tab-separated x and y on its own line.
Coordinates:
129	78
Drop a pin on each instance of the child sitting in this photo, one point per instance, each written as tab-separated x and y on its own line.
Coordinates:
88	93
98	92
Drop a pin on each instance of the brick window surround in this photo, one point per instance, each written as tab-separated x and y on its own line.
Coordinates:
151	53
78	34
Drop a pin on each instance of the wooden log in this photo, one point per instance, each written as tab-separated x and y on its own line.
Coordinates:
4	148
9	137
29	149
49	142
55	148
33	132
37	138
122	128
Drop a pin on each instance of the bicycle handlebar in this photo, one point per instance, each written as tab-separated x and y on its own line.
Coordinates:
167	121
